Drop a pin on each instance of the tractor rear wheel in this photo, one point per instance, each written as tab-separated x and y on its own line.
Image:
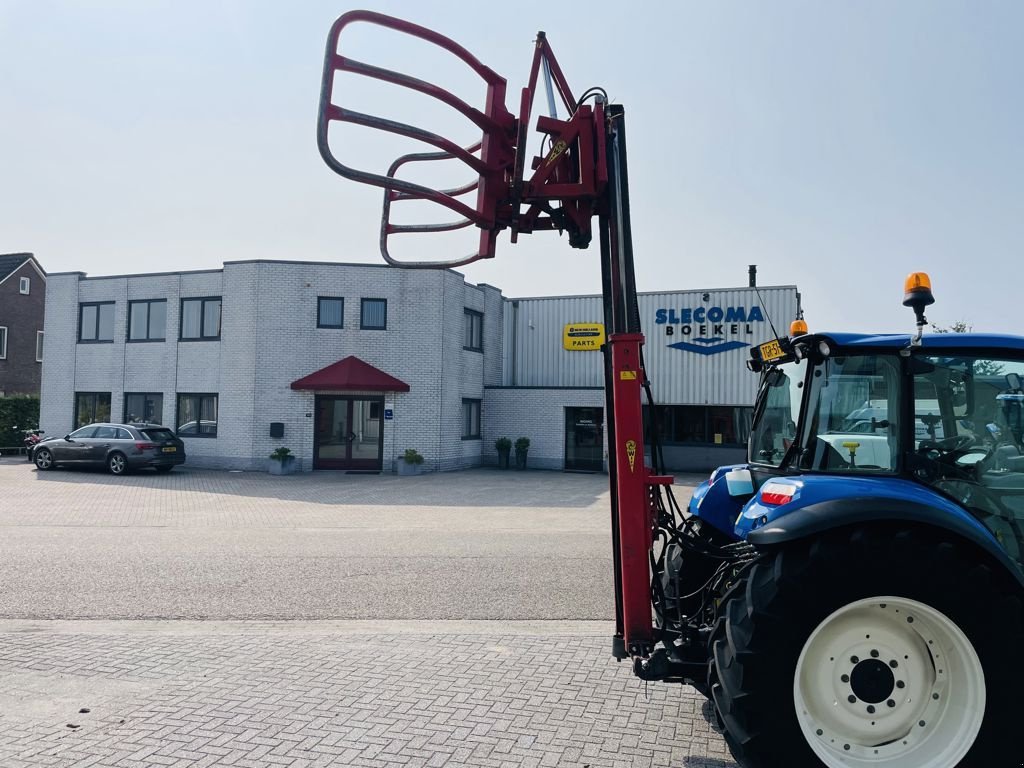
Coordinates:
869	648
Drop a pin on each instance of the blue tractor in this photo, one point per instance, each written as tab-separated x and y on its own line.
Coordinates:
853	593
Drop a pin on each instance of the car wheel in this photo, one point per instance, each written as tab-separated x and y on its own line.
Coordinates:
43	459
117	464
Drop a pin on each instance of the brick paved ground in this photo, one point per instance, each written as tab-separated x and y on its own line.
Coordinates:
537	688
338	694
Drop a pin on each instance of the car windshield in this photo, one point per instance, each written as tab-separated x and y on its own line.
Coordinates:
776	413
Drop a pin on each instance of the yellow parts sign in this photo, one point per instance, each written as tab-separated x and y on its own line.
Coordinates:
583	337
631	453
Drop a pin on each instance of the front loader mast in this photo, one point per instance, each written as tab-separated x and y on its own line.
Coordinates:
582	174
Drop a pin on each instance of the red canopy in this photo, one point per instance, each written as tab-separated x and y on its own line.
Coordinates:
351	373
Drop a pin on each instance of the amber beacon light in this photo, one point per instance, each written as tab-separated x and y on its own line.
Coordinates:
798	327
917	294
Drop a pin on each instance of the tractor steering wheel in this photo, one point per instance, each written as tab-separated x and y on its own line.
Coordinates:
946	446
944	456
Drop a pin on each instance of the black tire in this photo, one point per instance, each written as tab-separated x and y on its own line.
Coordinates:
779	602
164	470
117	464
43	459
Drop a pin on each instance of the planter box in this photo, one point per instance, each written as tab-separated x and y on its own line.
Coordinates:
503	459
287	467
405	469
521	459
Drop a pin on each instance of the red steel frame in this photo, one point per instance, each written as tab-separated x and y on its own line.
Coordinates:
582	174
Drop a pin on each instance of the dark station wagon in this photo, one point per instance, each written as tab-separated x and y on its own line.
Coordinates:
118	447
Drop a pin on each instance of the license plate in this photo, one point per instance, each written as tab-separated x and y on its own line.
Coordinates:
771	351
172	449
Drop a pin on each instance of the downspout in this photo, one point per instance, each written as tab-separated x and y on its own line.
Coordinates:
514	380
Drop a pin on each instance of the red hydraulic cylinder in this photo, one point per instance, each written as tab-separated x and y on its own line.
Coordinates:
636	519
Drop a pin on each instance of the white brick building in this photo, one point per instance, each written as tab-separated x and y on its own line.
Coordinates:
348	365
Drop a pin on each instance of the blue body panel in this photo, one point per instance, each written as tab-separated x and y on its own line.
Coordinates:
711	501
738	517
812	489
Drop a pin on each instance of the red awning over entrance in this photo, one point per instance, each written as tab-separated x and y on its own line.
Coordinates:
351	374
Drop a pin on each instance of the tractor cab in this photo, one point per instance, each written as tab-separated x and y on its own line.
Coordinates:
944	413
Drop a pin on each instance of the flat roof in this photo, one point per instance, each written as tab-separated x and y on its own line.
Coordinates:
655	293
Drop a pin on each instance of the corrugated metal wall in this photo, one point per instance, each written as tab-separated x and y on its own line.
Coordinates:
709	367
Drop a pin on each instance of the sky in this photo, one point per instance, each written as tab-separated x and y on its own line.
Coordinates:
838	146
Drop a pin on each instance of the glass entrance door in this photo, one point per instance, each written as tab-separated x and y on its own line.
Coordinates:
348	433
584	439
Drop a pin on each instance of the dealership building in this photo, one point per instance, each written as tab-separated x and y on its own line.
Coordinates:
349	365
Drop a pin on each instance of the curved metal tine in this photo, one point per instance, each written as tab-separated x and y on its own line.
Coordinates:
487	74
417	190
483	121
385	231
496	125
420	157
387	228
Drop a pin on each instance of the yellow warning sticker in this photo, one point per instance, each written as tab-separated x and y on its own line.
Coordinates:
631	453
627	375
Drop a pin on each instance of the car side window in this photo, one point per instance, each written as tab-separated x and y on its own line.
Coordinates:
123	434
105	433
83	433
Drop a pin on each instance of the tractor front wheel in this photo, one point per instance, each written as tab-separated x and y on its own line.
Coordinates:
869	649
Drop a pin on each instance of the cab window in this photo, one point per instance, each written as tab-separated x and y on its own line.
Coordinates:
853	416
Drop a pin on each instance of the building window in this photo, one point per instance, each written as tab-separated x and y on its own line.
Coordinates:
701	424
470	419
197	416
330	312
374	315
24	286
91	407
3	342
95	322
147	320
474	333
143	406
39	346
200	319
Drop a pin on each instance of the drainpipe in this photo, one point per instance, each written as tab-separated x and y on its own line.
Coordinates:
515	343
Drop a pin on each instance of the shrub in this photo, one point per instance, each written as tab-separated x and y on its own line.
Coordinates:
17	413
281	454
412	456
503	444
522	444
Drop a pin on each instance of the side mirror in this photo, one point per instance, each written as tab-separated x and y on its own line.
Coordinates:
68	438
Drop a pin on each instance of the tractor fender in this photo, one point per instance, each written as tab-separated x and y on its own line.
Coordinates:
819	517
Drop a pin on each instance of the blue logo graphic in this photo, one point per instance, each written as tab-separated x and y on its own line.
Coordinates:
708	346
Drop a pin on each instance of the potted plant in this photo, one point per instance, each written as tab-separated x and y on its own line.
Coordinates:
504	447
522	446
410	462
281	462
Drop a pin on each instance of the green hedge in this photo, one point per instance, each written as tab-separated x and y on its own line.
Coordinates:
17	412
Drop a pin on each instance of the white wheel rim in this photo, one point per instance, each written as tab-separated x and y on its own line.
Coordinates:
117	464
43	460
931	676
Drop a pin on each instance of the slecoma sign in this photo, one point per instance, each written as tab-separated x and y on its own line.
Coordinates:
707	330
